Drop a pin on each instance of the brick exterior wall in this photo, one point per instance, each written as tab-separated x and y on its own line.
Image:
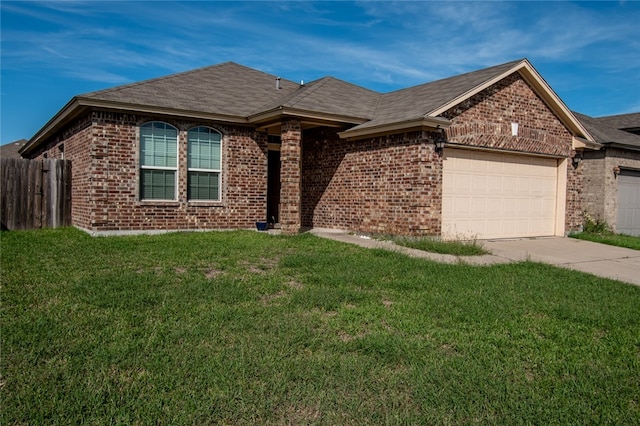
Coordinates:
484	120
601	186
386	185
575	186
105	194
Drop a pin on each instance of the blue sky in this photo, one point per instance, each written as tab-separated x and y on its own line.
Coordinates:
589	52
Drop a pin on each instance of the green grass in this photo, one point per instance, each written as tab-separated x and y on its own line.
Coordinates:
455	247
248	328
610	238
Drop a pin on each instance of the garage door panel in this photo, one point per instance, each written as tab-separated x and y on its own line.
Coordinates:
494	207
628	216
494	195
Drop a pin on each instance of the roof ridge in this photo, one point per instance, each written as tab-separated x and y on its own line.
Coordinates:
151	80
156	79
172	76
606	117
459	76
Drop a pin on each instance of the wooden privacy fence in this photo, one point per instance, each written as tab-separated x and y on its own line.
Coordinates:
35	193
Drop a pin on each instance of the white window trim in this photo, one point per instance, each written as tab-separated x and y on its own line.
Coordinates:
195	169
176	169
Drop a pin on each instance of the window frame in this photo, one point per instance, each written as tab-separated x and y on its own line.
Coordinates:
210	171
174	169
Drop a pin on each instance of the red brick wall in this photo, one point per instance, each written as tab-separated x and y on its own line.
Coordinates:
389	184
485	119
106	180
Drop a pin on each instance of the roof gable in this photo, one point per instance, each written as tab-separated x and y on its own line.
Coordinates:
420	101
424	103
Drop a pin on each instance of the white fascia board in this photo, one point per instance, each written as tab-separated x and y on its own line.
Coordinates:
61	116
277	113
582	144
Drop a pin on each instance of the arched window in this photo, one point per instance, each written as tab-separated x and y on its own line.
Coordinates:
158	161
204	164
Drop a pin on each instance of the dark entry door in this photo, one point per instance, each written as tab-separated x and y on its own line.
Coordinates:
273	187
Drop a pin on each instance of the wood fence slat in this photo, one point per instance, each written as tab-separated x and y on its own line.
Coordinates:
38	219
35	194
67	176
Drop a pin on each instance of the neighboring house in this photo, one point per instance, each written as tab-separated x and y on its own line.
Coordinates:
612	174
11	149
224	146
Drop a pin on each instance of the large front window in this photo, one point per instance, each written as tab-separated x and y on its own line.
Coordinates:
204	158
158	161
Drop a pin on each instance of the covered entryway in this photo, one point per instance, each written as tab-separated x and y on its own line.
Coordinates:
495	195
628	215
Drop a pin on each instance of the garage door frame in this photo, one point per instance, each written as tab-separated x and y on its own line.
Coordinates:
560	190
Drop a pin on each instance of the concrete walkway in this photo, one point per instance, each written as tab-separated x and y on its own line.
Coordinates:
598	259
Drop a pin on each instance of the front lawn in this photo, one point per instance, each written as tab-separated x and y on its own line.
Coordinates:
249	328
610	238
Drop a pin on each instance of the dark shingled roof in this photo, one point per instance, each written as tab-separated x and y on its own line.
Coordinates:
225	89
419	101
235	90
605	130
628	122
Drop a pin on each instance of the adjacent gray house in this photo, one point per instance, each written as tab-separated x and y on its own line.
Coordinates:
612	173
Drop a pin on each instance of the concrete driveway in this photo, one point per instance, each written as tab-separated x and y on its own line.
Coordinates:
599	259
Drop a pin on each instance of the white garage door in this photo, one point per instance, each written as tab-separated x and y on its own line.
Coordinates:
493	195
628	217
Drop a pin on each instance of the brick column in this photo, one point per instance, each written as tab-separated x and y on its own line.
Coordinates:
290	176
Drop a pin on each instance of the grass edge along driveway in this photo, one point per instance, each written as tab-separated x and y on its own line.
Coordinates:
245	328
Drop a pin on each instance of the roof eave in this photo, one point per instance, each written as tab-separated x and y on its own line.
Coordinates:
78	104
621	146
427	123
70	110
